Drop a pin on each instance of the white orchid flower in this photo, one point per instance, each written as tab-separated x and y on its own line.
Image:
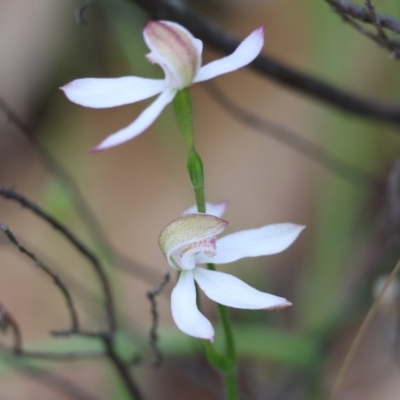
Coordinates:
191	240
178	53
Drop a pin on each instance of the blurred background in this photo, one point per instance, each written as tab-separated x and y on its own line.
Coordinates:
134	190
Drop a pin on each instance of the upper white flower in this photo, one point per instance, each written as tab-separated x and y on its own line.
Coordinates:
191	239
179	55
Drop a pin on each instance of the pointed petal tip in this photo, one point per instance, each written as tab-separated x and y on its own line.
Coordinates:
260	30
96	149
285	304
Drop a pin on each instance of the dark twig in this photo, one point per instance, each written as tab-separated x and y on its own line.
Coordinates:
81	10
108	339
364	15
82	249
122	369
213	35
303	146
48	271
83	209
7	322
151	295
375	21
379	38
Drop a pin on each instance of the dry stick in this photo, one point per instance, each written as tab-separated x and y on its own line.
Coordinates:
122	369
10	194
310	150
360	332
83	209
57	281
380	39
7	321
213	35
154	313
363	14
108	339
391	45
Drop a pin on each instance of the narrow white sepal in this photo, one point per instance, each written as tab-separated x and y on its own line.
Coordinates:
270	239
185	313
141	123
246	52
216	209
230	291
112	92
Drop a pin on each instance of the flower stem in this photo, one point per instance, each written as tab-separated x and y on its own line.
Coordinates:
224	362
184	115
230	351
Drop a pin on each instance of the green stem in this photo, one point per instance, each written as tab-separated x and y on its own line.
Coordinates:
230	351
224	362
231	385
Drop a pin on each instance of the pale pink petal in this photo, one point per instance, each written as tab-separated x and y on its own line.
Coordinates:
141	123
216	209
230	291
175	49
246	52
184	309
112	92
263	241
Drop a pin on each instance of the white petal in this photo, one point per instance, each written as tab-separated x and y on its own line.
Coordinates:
141	123
246	52
232	292
184	309
112	92
216	209
263	241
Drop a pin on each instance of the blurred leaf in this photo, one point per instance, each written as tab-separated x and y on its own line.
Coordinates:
255	341
58	201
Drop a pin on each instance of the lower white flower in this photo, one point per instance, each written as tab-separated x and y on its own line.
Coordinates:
191	240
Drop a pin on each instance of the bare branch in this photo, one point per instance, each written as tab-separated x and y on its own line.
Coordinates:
364	15
83	209
151	295
57	281
214	36
308	149
7	322
122	369
346	12
75	242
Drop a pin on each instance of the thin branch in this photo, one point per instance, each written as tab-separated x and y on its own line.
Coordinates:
48	271
151	295
301	145
364	15
83	209
122	369
10	194
380	38
7	321
216	37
